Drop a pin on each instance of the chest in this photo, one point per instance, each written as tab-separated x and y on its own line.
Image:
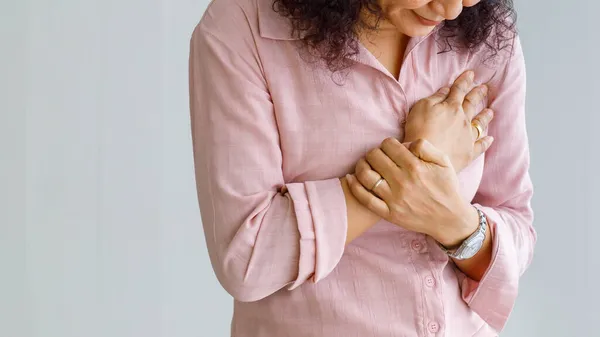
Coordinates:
327	121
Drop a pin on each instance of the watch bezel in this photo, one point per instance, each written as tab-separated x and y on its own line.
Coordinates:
471	246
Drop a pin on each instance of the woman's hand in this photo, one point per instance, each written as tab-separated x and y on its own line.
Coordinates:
445	120
419	190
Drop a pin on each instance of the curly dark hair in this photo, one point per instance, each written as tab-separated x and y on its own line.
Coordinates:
328	27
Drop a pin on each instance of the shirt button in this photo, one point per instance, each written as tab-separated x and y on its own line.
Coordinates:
416	245
430	281
433	327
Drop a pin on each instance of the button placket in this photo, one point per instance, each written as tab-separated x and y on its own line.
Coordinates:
422	250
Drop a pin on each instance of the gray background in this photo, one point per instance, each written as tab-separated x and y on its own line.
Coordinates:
100	233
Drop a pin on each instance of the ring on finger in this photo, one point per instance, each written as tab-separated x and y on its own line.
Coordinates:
381	180
478	127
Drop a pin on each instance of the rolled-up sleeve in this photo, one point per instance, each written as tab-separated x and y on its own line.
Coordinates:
262	232
505	197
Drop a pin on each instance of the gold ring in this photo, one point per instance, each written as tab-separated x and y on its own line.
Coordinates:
377	183
478	127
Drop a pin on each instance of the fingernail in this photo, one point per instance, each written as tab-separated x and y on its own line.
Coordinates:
490	112
349	178
484	89
445	91
490	140
471	75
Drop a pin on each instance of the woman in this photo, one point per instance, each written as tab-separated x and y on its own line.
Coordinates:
341	173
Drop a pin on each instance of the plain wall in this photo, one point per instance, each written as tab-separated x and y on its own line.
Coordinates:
100	233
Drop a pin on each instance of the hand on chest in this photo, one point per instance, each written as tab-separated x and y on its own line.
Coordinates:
327	122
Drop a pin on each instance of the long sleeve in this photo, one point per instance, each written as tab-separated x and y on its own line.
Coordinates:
262	233
504	196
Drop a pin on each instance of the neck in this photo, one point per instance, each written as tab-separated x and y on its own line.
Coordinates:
384	29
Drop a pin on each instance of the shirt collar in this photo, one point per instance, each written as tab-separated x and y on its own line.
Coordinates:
274	26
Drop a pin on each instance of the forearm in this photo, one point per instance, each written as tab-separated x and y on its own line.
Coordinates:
360	219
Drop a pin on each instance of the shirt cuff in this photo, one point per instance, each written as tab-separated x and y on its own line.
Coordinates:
320	208
493	297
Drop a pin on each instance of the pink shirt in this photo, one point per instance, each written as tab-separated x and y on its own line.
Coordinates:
273	133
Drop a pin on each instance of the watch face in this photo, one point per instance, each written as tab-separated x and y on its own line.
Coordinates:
471	247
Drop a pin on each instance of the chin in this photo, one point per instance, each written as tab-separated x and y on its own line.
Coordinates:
418	31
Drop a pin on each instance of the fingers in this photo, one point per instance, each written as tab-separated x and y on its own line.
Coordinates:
473	99
483	119
398	153
429	153
383	164
440	96
370	178
460	88
482	145
366	198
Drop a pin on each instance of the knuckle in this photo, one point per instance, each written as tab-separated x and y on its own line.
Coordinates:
361	165
397	210
481	95
483	121
418	168
462	86
397	182
372	154
489	115
440	93
372	203
362	176
424	102
413	166
469	102
476	93
388	142
468	124
418	144
477	96
461	79
455	106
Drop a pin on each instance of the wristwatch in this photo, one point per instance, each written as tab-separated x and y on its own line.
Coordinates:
472	244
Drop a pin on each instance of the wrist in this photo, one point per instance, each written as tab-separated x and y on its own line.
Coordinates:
464	223
359	218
